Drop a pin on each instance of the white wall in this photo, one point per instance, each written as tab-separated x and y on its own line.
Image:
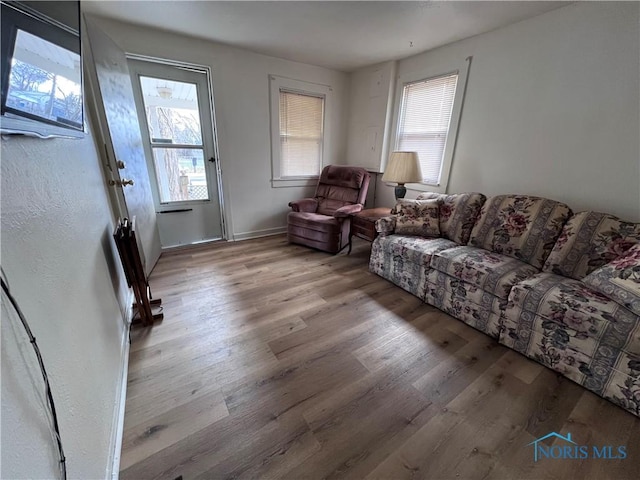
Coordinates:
241	91
371	92
551	109
58	256
370	111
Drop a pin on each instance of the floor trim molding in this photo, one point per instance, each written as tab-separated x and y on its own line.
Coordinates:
121	398
174	248
259	233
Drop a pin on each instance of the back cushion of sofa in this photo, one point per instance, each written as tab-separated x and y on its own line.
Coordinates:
458	213
520	226
588	241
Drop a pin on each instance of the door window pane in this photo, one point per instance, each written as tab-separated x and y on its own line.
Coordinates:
172	111
180	174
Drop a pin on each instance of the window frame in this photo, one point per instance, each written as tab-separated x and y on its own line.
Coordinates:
276	84
452	134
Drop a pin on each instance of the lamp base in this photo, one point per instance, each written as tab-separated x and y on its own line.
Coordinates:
400	191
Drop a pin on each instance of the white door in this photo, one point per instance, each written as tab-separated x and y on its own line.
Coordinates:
127	166
175	113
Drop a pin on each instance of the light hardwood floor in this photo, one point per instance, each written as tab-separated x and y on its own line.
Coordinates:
278	361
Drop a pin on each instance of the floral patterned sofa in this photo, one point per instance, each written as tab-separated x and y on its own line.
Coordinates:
561	289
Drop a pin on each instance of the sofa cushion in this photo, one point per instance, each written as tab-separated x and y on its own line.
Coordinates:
413	248
585	361
564	325
620	280
460	288
520	226
404	260
417	217
492	272
588	241
608	371
580	311
623	387
551	345
458	213
464	301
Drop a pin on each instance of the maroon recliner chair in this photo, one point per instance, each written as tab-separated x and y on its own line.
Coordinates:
323	221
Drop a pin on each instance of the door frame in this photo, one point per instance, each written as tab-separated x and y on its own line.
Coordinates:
206	70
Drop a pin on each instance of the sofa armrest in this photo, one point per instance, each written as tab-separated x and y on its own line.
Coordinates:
347	210
386	225
619	280
309	205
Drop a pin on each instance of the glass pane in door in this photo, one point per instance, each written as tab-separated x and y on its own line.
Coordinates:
180	174
172	112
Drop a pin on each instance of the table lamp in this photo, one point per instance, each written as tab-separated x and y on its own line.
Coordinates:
403	167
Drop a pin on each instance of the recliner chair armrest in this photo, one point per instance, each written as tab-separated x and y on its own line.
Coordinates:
309	205
344	212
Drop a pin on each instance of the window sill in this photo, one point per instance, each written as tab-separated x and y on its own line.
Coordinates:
426	187
294	182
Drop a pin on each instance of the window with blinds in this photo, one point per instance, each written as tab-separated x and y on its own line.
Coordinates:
424	121
301	134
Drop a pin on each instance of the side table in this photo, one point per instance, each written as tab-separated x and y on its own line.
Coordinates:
363	224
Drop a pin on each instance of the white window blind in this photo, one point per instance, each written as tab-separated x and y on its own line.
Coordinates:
424	122
301	134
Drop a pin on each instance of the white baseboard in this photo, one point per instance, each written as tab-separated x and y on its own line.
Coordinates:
173	248
259	233
117	429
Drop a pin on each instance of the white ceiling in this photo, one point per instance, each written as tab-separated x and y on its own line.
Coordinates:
335	34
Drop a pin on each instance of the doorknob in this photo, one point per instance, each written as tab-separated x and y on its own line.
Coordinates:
121	183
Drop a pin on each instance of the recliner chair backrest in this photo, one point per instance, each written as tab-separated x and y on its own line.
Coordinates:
339	186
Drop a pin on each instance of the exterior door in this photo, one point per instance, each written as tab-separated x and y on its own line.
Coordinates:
175	113
127	167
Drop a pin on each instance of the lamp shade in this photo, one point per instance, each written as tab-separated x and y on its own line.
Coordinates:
403	167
